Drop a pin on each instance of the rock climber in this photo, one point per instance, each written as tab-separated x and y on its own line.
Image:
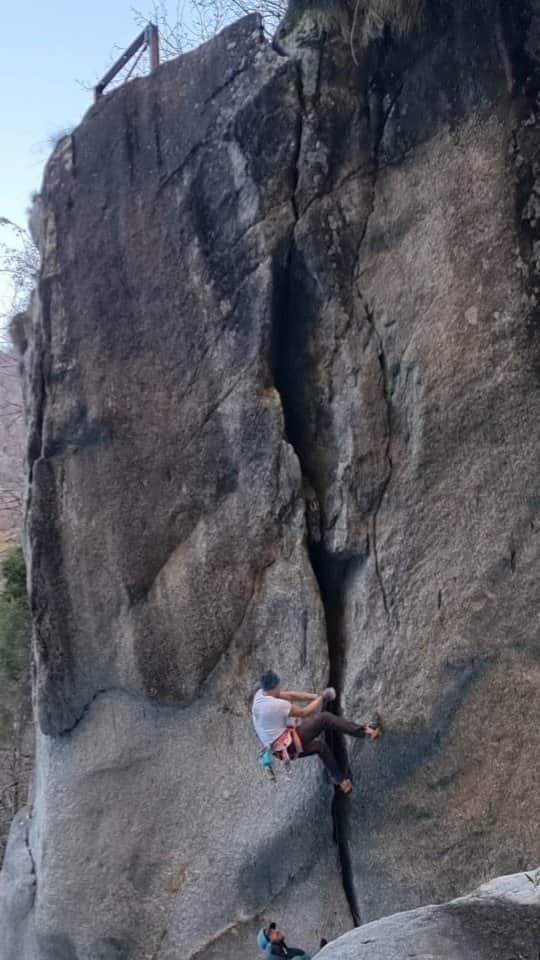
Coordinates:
272	942
271	710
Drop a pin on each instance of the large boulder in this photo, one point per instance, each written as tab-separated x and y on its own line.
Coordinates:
166	526
409	378
283	410
499	921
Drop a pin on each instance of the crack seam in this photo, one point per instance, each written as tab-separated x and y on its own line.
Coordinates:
339	824
33	871
503	50
103	691
226	83
370	317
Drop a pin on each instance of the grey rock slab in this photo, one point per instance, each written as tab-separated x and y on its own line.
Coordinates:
159	835
167	203
499	921
409	376
165	524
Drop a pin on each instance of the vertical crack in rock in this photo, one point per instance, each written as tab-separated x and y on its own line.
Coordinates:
341	826
503	48
298	148
524	113
36	441
160	944
33	871
331	571
387	395
34	448
35	445
378	115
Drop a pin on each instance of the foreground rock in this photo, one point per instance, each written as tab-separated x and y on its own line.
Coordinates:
499	921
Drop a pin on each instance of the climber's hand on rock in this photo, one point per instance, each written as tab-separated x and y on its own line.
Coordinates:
328	694
373	732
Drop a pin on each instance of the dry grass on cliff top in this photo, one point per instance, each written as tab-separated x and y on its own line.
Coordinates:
359	20
403	15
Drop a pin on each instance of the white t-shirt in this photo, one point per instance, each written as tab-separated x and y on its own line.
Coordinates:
269	717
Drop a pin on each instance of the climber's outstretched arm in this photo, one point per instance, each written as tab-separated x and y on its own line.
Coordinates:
308	711
297	695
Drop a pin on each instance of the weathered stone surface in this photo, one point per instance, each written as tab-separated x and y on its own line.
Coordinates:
409	379
279	285
499	921
196	497
165	524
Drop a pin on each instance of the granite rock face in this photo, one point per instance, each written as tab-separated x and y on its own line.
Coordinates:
165	523
409	381
411	391
283	410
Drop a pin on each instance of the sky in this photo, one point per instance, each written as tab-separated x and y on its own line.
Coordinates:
49	51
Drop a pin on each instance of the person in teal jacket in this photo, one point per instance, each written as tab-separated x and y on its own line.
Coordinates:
272	942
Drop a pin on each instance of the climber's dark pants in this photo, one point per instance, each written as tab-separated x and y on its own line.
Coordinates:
309	732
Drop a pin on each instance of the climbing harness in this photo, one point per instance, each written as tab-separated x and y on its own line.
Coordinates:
289	738
280	749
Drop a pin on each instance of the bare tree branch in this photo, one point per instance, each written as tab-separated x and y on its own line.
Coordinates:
185	25
19	259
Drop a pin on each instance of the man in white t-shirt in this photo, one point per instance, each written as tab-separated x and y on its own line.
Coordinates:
273	706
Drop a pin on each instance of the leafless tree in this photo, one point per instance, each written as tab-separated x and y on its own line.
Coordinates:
183	25
16	753
16	728
19	263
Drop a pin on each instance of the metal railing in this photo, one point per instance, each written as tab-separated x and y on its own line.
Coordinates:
147	40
